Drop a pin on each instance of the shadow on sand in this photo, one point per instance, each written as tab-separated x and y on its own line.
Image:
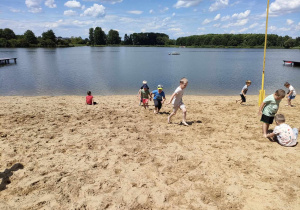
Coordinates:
8	173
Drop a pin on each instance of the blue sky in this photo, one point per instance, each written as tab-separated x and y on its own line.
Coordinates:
176	18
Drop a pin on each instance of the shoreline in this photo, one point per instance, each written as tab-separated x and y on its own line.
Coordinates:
118	155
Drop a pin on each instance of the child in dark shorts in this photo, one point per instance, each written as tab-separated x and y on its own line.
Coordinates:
244	92
269	108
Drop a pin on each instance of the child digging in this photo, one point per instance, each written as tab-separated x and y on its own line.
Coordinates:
269	108
177	102
283	133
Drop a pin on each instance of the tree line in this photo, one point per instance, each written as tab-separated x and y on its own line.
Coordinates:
97	37
238	40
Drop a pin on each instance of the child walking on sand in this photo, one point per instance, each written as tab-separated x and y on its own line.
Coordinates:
90	99
139	93
269	108
283	133
159	98
144	95
177	102
291	94
244	92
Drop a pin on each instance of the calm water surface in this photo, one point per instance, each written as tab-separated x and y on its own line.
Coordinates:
121	70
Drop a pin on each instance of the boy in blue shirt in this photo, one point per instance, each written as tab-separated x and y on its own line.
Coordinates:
159	98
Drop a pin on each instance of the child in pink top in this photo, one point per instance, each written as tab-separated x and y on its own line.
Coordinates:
90	99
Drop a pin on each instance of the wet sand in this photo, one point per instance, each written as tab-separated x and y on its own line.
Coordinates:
58	153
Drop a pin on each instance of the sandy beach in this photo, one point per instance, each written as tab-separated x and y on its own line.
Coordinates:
58	153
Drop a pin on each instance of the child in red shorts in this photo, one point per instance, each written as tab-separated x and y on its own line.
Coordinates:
145	95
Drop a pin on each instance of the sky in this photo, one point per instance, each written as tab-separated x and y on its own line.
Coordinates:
176	18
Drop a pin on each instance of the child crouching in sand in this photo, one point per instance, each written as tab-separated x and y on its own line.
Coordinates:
283	133
177	102
269	108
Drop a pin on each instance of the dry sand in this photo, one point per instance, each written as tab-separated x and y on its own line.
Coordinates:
57	153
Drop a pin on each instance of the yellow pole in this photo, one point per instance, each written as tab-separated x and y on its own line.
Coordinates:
262	91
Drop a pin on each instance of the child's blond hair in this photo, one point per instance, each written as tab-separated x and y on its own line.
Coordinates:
248	81
280	93
280	118
184	80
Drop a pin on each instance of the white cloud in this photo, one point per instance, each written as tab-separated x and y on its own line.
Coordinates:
218	16
135	12
253	25
70	13
95	11
201	29
219	4
111	1
50	3
289	21
206	21
217	25
243	30
173	14
280	7
175	29
272	28
242	15
186	3
34	6
164	9
227	17
237	23
151	11
15	10
73	4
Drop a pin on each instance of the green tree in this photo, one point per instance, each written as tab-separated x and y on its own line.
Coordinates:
91	36
113	37
99	36
49	35
127	39
289	43
30	37
8	34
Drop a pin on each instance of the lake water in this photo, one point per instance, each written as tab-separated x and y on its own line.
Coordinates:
121	70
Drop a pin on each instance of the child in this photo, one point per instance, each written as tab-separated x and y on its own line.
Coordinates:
90	99
291	94
269	108
139	93
176	100
244	92
159	98
144	94
283	133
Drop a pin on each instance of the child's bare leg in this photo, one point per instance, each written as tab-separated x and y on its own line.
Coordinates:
289	102
169	117
144	105
184	116
265	128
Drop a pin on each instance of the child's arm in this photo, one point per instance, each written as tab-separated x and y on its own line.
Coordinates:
150	96
270	135
290	93
261	108
172	98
